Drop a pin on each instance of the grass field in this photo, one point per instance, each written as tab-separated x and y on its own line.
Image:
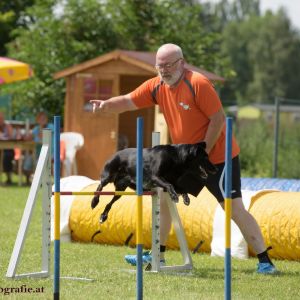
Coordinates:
114	279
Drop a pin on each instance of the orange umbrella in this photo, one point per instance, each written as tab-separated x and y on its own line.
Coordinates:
12	70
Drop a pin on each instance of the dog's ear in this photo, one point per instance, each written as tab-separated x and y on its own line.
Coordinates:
200	149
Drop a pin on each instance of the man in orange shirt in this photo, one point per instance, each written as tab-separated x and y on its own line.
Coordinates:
193	112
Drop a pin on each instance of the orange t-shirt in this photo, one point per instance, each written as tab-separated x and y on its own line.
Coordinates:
186	109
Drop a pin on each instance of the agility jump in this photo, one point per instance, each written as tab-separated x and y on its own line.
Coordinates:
139	173
156	196
42	177
139	194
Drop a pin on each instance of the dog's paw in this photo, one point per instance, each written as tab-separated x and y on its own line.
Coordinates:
174	198
95	202
186	200
103	218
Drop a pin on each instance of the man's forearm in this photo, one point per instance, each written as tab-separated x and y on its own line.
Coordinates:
214	130
118	104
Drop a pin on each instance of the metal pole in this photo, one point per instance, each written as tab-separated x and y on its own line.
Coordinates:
139	223
46	212
228	204
276	136
155	263
56	277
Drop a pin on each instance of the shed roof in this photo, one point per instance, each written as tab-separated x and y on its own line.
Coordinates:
144	60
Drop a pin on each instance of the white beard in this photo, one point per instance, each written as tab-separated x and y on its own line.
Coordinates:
170	79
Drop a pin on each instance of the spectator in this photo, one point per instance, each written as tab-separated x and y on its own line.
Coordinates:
37	131
37	136
6	133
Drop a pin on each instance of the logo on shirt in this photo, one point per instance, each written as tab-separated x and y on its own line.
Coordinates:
184	106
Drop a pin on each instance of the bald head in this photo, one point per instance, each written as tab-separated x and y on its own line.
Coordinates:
169	51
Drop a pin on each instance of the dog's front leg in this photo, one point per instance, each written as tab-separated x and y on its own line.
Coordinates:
186	199
107	208
95	200
167	186
121	184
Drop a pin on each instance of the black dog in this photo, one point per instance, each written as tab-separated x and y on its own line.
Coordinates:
179	169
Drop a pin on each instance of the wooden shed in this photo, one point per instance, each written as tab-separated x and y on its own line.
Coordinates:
111	74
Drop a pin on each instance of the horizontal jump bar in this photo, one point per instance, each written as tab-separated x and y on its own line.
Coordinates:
116	193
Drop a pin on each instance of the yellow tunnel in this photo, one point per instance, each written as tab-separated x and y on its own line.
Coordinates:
277	213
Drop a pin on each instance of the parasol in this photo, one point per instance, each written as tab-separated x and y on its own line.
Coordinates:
12	70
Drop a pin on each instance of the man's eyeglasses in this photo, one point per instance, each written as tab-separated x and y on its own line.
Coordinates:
169	65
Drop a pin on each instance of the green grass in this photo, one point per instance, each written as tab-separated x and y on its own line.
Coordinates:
114	279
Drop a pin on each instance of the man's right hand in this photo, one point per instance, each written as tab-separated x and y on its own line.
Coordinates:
114	105
98	105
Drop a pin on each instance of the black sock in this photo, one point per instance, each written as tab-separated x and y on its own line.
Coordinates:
264	257
162	248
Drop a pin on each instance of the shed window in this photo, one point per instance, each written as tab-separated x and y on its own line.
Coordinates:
96	89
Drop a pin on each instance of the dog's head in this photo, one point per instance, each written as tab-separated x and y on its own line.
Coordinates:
198	157
197	167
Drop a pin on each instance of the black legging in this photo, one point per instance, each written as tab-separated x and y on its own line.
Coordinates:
8	156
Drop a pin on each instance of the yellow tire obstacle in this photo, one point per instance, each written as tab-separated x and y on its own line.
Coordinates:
197	219
277	213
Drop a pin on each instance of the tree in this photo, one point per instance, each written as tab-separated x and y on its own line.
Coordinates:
84	29
273	54
145	25
228	11
12	14
53	42
134	22
262	51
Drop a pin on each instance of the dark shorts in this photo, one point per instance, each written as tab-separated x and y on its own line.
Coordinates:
212	183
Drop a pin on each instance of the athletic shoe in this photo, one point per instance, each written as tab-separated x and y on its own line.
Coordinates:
132	259
266	268
147	258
